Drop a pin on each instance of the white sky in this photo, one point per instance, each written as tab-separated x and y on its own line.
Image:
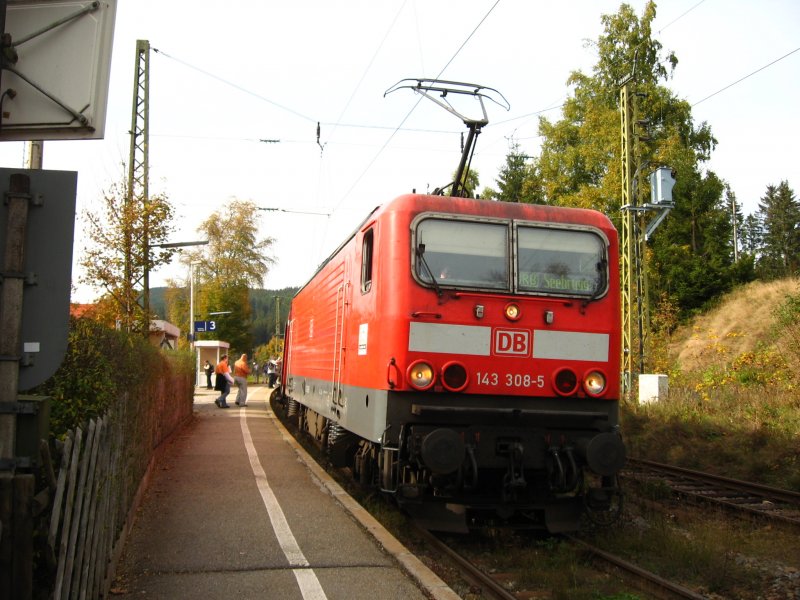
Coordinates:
292	64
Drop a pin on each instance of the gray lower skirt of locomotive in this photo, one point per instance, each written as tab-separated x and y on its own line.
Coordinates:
451	423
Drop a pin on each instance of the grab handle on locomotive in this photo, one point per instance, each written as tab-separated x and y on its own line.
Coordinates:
573	476
392	364
558	478
473	464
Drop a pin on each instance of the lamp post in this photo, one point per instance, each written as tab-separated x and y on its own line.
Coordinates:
146	284
277	316
191	302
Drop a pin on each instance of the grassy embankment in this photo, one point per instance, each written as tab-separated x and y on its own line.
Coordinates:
734	391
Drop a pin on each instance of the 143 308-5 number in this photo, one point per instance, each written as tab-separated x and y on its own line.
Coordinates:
525	380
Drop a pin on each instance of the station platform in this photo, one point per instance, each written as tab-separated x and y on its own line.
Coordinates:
235	508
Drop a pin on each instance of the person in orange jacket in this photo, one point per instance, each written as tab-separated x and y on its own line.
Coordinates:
223	382
240	372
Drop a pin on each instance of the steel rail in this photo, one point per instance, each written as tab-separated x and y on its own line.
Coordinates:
655	581
470	572
741	496
765	491
474	575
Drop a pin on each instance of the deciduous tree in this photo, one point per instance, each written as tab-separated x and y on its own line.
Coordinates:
580	160
116	256
235	260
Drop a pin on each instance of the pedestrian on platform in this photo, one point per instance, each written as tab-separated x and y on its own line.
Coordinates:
223	382
278	369
240	372
272	373
209	370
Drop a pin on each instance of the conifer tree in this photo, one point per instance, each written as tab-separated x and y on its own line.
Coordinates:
752	237
511	177
779	212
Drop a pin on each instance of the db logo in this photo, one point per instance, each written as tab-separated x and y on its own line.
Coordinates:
512	341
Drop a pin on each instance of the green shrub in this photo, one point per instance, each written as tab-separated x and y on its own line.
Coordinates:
100	365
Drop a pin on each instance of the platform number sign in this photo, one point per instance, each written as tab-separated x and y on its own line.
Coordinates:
203	326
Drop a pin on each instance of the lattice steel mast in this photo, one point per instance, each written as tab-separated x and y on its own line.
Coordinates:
635	305
626	248
137	243
634	296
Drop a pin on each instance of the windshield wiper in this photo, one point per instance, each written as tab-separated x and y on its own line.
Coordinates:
421	256
602	267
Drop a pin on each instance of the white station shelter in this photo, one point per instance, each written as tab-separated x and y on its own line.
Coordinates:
211	351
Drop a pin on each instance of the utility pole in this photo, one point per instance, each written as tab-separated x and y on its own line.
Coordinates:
34	150
12	262
138	199
191	302
277	316
627	250
734	220
635	306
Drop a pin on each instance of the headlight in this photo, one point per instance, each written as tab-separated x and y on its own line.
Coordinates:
594	382
512	311
420	375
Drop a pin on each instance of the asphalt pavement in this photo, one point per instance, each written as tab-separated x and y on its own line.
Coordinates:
235	508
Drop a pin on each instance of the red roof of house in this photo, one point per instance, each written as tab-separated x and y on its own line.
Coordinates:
81	310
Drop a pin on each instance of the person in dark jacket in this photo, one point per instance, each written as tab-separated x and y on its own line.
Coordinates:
223	382
209	369
272	373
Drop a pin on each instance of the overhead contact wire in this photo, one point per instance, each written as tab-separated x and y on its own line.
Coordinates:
236	86
413	108
679	17
746	77
369	66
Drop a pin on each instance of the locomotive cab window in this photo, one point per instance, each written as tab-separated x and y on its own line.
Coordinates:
366	261
565	262
459	253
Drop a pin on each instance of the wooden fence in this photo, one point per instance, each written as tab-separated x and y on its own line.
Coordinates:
103	470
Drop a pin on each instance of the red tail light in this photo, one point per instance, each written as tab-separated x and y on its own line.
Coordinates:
565	382
454	376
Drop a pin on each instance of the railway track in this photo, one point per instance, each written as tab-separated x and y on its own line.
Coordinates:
491	586
735	495
644	579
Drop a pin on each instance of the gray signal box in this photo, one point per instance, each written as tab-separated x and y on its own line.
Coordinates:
47	270
662	180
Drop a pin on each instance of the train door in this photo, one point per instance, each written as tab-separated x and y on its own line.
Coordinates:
286	364
343	299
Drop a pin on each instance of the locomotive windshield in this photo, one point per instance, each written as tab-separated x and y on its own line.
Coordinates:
558	261
463	253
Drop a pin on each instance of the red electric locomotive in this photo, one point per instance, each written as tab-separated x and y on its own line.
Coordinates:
463	355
